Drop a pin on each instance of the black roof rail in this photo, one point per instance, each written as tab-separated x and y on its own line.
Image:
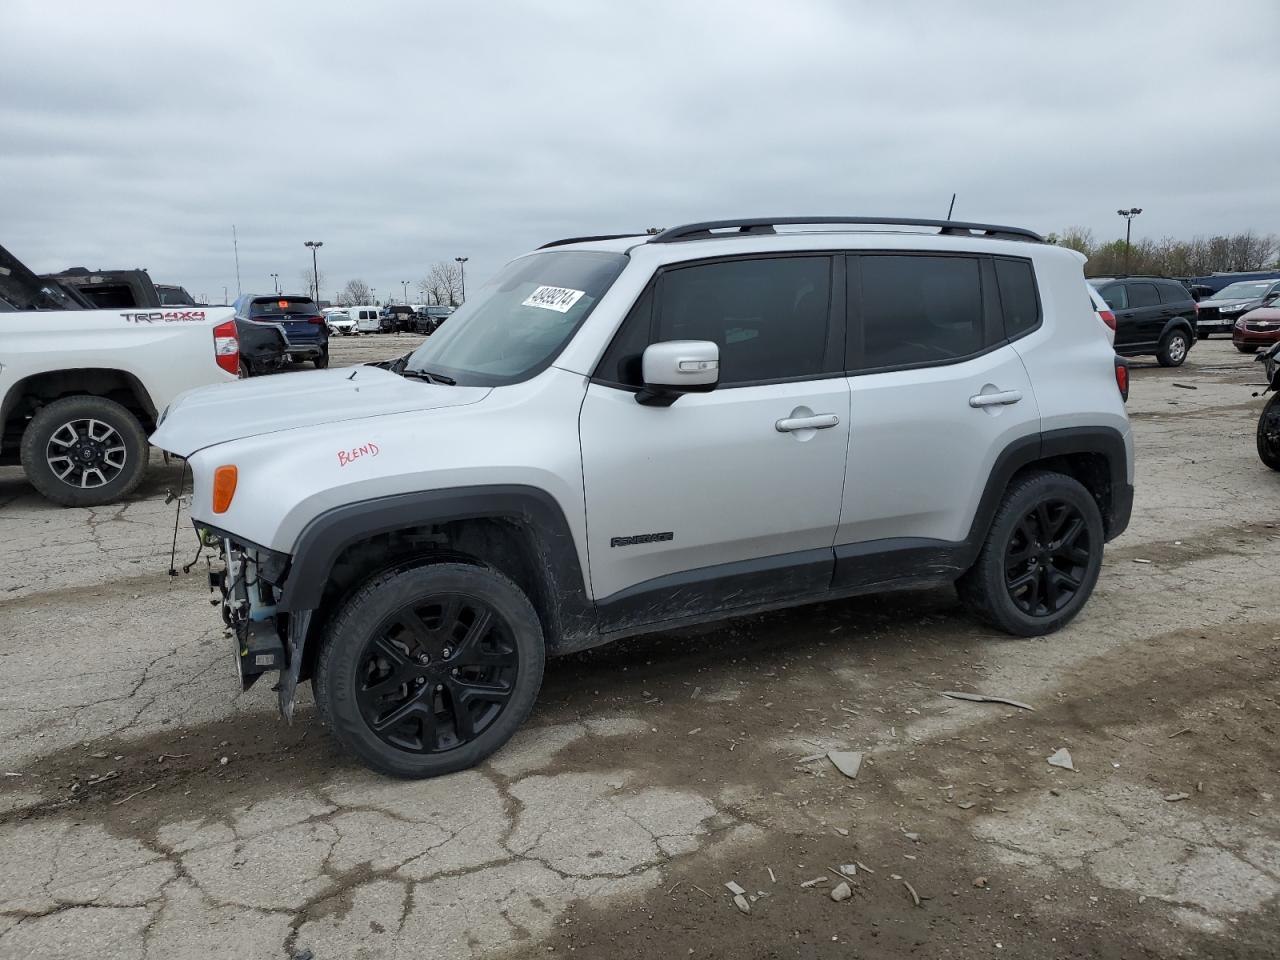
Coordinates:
606	236
756	225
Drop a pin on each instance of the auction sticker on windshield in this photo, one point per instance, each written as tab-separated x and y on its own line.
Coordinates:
559	299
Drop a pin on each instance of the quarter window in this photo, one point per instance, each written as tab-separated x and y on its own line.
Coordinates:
1173	293
1115	296
1018	299
919	309
1143	295
769	317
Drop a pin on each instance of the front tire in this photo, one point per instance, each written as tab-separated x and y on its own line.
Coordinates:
84	451
1041	558
1173	349
1269	433
1246	348
429	670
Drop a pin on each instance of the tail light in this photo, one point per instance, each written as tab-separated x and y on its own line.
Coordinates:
226	347
315	319
1122	378
1108	318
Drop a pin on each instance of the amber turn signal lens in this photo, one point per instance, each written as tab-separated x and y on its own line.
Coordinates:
224	487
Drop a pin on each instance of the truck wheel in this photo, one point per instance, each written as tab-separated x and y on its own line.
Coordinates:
1269	433
1041	557
84	451
322	361
429	670
1173	349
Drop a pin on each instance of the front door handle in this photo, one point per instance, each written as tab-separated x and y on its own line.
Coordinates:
1001	398
820	421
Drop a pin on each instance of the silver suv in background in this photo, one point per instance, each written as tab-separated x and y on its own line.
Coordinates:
619	435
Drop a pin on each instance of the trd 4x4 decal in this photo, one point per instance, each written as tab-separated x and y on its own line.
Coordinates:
164	316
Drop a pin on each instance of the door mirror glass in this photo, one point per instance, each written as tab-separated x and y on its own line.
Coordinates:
673	367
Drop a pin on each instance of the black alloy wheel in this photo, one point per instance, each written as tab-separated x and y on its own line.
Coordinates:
82	451
437	673
427	670
1047	558
1041	556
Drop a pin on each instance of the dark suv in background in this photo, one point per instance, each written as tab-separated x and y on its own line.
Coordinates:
298	318
1154	316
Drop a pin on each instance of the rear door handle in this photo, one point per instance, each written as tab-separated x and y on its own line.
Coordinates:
820	421
1002	398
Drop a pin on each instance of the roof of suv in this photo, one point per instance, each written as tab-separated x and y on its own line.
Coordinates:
737	236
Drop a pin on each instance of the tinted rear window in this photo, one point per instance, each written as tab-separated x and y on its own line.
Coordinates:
920	309
283	306
1142	295
1173	293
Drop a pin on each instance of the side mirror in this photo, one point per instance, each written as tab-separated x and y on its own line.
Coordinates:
674	367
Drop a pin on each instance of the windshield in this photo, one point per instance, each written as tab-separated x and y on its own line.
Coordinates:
516	324
1244	290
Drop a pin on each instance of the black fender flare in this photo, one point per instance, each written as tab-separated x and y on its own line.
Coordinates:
1179	323
325	537
1026	451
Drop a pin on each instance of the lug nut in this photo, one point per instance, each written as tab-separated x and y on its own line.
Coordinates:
448	651
423	658
439	686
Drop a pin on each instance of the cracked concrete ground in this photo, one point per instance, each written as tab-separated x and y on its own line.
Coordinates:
654	771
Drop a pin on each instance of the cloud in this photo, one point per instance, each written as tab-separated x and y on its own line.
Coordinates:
136	134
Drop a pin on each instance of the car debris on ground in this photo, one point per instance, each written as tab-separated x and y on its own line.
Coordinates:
982	698
1061	758
848	762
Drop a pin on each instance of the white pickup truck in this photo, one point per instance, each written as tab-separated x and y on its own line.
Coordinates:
81	388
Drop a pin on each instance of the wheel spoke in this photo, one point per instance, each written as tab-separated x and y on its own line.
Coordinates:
1070	579
1017	583
1074	528
1050	589
57	436
417	707
387	649
467	692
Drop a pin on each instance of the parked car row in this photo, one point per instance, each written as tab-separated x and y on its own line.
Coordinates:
393	318
1158	315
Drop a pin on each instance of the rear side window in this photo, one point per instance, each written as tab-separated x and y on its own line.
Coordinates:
1018	300
1174	293
1143	295
769	317
919	309
1115	296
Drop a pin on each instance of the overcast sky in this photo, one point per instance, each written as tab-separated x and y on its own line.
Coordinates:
136	134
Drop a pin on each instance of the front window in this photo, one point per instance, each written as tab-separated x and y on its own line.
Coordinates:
1244	290
517	323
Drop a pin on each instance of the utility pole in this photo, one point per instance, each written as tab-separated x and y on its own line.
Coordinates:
315	270
235	242
1128	230
462	267
275	281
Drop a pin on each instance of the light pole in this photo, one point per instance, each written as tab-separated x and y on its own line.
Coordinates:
405	284
462	268
373	295
315	270
275	280
1128	228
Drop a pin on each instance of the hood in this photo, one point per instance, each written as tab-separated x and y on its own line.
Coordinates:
1232	302
249	408
1264	315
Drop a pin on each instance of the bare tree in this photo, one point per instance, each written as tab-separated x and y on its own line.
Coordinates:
355	292
308	282
1170	257
442	285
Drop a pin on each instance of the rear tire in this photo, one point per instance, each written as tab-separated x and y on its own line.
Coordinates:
1173	349
322	361
84	451
429	670
1041	559
1269	439
1245	348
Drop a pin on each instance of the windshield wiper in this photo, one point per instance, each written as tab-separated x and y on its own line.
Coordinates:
427	375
